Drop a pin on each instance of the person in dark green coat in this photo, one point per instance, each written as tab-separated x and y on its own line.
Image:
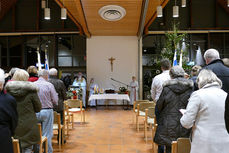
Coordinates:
28	104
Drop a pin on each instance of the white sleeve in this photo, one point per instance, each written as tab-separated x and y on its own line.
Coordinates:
153	88
189	117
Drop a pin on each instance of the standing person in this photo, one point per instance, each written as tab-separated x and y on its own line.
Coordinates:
28	104
174	96
32	70
156	87
194	72
133	90
49	98
81	82
8	117
215	64
93	86
205	115
60	89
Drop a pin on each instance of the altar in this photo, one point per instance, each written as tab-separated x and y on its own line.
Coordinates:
123	97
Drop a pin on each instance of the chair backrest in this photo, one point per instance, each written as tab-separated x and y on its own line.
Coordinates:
145	105
74	103
56	119
138	102
40	131
182	145
151	112
16	146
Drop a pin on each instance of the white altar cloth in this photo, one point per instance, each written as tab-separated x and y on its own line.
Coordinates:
109	96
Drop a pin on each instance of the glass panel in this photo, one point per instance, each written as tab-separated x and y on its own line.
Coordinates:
64	61
15	46
4	62
15	62
64	46
3	45
79	61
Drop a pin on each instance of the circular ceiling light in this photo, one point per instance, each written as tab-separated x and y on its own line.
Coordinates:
112	12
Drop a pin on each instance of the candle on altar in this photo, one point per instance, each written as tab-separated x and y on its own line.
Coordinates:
98	90
94	89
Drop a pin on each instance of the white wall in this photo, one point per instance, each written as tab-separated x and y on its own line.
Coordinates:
125	51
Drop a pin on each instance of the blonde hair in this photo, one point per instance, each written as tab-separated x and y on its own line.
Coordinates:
2	79
207	76
20	75
32	69
195	70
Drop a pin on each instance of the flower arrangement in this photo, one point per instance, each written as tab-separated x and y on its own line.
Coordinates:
74	93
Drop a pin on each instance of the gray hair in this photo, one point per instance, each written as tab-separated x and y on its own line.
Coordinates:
12	71
211	54
21	75
207	76
53	72
2	79
43	72
2	76
176	72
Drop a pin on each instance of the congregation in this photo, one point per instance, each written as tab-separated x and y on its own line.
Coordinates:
189	108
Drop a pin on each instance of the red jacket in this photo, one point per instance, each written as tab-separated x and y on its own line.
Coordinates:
33	79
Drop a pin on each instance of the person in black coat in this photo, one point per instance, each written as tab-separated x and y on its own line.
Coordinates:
217	66
174	96
8	118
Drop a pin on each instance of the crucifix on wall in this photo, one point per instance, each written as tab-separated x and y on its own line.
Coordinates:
111	62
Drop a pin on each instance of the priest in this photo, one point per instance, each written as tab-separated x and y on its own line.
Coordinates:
81	83
133	90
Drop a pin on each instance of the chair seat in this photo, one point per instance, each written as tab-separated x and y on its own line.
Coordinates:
141	113
150	120
55	126
75	110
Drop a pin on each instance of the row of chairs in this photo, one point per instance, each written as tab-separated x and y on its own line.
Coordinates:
146	109
71	106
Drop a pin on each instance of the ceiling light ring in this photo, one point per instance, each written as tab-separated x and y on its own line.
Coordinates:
112	12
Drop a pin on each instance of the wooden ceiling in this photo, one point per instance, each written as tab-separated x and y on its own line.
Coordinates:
85	14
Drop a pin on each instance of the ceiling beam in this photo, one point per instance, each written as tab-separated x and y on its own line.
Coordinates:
163	4
82	26
143	17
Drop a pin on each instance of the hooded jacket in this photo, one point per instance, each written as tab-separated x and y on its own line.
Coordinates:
28	104
174	96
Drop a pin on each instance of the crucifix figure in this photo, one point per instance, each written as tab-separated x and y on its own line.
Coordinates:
111	60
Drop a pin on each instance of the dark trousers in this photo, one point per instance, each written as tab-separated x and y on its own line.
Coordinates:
160	147
168	149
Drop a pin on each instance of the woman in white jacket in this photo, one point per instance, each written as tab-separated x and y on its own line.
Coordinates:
205	115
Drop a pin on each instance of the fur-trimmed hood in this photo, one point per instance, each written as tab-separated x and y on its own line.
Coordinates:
20	88
179	85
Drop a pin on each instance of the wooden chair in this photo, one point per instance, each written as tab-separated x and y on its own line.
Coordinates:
66	118
149	120
76	106
16	146
57	126
43	139
182	145
154	128
135	108
141	111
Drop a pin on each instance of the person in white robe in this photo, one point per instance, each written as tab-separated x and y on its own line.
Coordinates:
81	83
133	90
93	86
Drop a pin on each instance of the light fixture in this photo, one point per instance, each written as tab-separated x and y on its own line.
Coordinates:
183	3
43	4
227	3
63	13
159	11
47	12
175	10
